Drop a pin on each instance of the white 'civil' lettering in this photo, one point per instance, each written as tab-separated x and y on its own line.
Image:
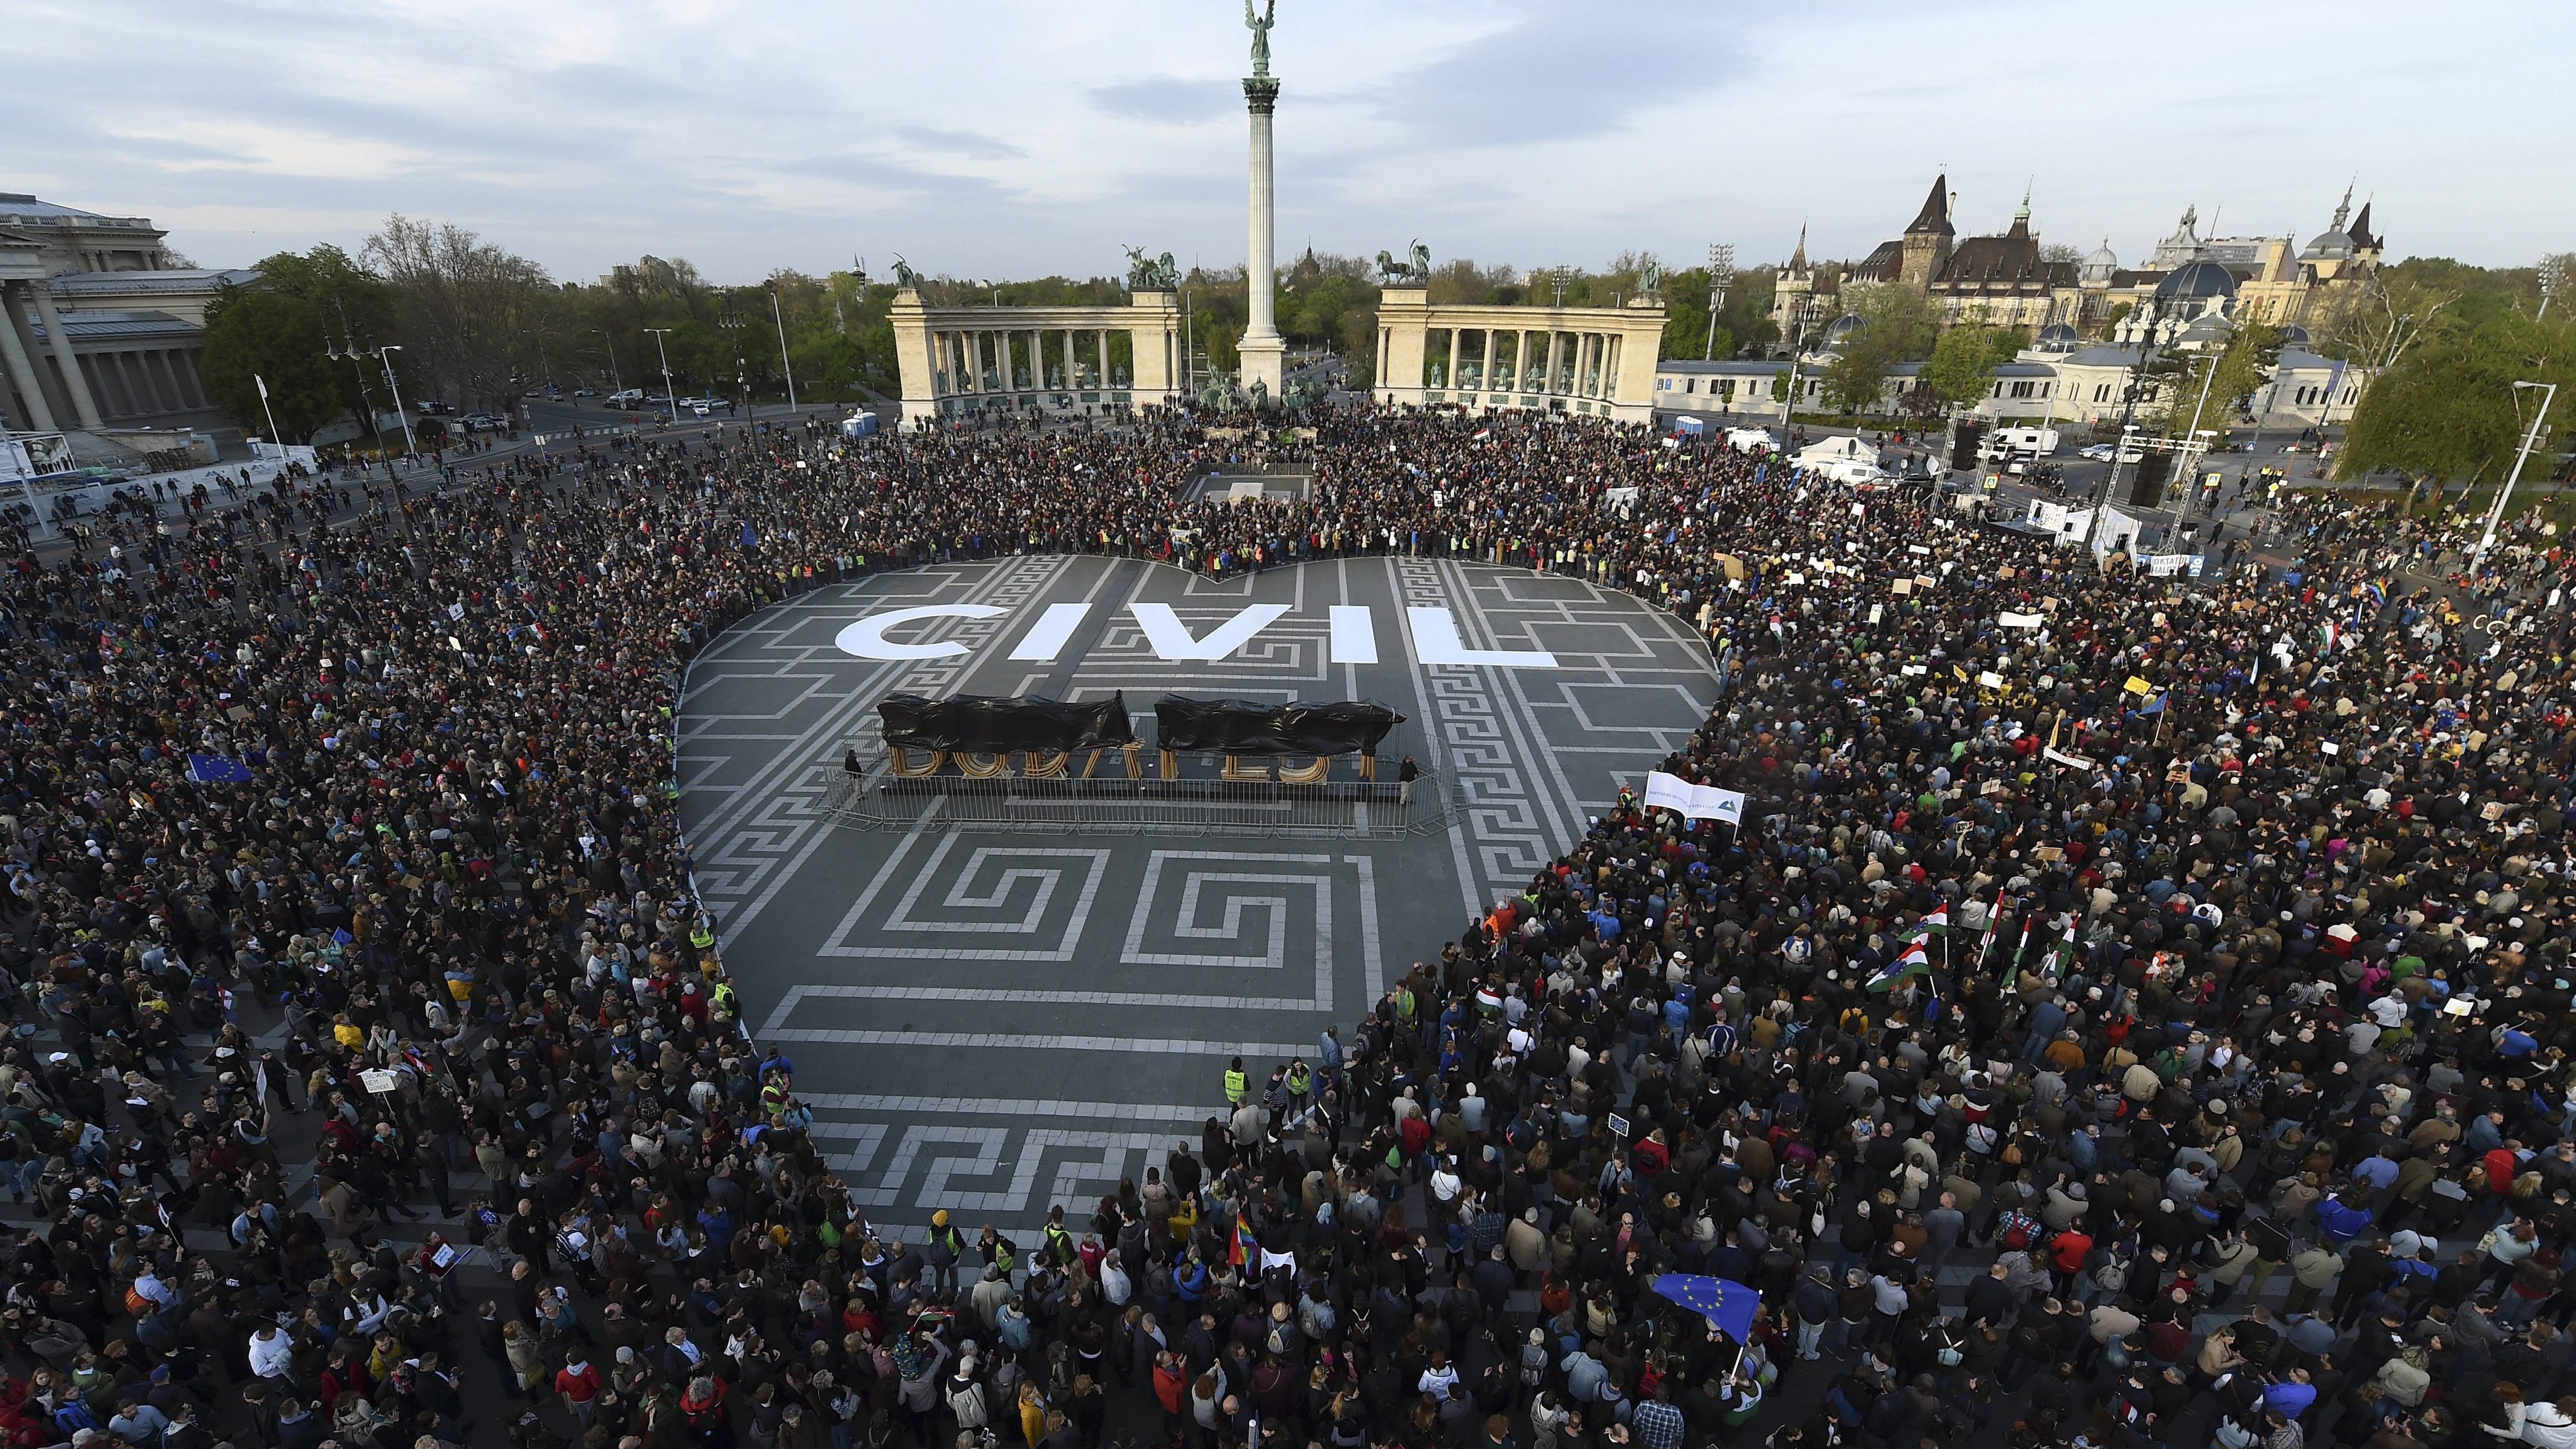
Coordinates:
867	638
1171	639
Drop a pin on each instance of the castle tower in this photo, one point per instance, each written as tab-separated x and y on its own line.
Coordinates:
1927	240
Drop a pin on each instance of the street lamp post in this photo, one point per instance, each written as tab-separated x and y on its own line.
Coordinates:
669	396
2128	414
615	382
780	318
1802	318
1721	273
347	352
2531	435
395	387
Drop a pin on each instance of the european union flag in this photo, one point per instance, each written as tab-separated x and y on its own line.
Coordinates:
749	538
216	770
1728	1304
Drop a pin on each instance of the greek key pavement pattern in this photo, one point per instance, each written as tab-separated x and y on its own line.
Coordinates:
994	1022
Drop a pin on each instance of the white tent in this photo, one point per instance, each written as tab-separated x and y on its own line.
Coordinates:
1836	450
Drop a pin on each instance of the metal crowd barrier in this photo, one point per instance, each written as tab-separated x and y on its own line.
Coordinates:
879	799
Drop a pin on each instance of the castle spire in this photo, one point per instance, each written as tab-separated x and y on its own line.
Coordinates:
1798	258
1935	215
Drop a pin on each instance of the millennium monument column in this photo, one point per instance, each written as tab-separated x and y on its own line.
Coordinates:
1262	344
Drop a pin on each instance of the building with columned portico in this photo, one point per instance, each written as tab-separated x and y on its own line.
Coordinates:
1591	361
100	332
1076	361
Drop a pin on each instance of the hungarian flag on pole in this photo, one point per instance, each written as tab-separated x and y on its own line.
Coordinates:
1935	924
1912	963
2053	965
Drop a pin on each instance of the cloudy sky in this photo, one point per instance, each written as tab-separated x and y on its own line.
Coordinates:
1012	138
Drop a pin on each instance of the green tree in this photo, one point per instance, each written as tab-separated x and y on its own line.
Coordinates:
254	335
1897	324
1857	375
2232	374
1964	361
2448	409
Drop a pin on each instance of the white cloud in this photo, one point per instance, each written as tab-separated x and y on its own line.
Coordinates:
1019	138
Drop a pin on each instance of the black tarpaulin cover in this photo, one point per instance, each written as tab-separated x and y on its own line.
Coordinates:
1241	727
986	725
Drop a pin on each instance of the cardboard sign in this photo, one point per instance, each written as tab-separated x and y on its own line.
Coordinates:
1901	587
1990	679
379	1081
2012	619
2139	687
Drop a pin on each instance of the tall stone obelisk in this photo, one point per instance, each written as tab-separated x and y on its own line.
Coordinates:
1262	344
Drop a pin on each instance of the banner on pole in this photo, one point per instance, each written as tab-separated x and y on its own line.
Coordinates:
1694	802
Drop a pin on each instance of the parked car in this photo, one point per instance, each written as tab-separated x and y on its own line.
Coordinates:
585	392
485	423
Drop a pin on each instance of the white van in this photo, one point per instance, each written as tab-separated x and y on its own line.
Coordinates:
2005	443
1746	440
1857	472
632	397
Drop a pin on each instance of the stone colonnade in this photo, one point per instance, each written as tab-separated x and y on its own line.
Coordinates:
1517	359
1078	360
1002	360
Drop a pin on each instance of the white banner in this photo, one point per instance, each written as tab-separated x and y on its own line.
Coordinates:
1694	802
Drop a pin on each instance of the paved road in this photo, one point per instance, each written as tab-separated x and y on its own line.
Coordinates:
991	1022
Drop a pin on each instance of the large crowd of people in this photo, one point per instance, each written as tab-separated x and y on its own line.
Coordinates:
2132	1009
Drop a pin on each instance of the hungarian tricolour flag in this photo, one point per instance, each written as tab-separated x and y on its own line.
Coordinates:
2053	966
1912	963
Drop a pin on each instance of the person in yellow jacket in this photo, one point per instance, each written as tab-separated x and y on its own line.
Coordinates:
1237	1086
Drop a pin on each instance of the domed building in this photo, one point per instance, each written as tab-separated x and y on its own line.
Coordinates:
2097	269
2056	337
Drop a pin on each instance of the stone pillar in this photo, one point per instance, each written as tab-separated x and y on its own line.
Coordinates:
138	390
1520	362
1101	378
1262	344
83	404
192	370
39	414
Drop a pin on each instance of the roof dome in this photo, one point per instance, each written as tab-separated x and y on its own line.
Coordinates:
2056	337
2103	257
2210	327
2294	335
2196	279
1840	330
2329	245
